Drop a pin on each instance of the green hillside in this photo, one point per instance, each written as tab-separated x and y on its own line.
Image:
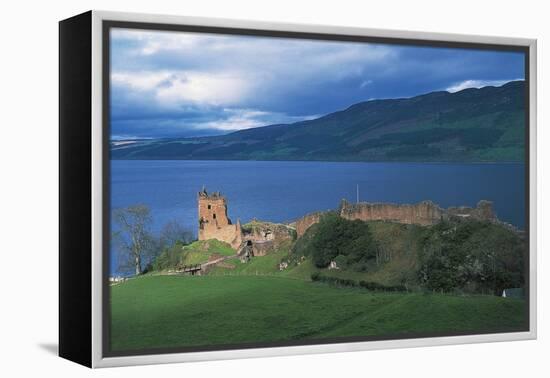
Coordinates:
198	252
486	124
393	280
173	311
460	256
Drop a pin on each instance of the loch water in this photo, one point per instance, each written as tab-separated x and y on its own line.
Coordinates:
281	191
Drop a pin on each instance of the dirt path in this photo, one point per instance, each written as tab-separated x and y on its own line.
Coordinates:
214	262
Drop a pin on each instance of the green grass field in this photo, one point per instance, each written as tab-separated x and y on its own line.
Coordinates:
176	311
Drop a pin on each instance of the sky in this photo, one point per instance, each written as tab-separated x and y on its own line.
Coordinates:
179	84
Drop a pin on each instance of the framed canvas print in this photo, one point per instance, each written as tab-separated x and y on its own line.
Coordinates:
233	189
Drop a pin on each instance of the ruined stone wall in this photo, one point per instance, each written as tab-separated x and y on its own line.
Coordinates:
424	213
267	231
230	234
483	211
307	221
266	237
260	248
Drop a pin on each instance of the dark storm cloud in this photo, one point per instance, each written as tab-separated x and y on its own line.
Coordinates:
184	84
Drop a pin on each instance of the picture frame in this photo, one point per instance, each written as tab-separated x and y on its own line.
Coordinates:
85	187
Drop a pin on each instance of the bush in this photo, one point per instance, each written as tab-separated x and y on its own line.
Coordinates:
293	234
471	256
169	258
377	286
148	268
334	236
341	261
345	282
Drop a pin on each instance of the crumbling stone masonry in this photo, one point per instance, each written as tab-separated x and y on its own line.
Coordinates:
307	221
424	213
257	238
214	222
260	238
266	237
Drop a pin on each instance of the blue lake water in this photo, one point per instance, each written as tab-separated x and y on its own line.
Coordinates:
284	191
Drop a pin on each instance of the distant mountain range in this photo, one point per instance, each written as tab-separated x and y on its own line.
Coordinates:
486	124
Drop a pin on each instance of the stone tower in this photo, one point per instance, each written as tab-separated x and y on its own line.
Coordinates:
214	222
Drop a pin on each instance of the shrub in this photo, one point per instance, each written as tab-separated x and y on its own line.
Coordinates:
293	234
341	261
148	268
376	286
169	258
471	256
335	236
345	282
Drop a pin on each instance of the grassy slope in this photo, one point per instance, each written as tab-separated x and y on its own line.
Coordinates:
397	240
261	265
258	265
168	311
197	252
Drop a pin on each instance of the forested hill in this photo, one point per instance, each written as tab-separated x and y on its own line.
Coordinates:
486	124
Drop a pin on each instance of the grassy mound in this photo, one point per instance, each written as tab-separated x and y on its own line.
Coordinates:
173	311
395	261
263	265
459	255
200	251
197	252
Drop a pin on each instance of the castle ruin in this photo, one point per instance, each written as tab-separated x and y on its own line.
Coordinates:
255	239
214	222
258	238
425	213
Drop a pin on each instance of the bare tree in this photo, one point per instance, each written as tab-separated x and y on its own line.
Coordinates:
174	232
134	238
